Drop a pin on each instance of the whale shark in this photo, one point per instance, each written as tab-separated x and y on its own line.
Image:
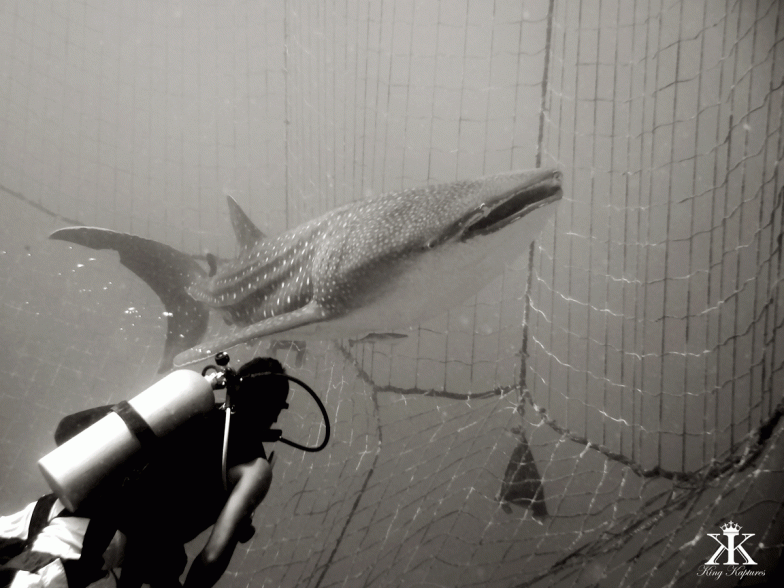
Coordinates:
375	265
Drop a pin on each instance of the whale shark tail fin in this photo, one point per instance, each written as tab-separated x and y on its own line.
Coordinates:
167	271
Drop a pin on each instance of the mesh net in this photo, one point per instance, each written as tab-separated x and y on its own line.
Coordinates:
589	418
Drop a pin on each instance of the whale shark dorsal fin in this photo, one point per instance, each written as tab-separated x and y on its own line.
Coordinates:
248	234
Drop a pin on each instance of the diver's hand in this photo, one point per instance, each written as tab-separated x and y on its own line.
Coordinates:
246	530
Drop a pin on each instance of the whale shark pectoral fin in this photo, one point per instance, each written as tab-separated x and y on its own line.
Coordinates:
312	312
167	271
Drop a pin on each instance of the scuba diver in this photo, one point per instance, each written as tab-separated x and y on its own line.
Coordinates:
181	491
212	470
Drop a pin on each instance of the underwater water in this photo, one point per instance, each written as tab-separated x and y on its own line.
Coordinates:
588	418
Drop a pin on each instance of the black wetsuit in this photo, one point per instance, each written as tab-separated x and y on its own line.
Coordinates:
172	490
169	494
180	492
182	487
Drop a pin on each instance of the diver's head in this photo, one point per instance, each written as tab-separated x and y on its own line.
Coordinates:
259	391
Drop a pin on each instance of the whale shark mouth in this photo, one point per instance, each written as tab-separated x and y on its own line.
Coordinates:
513	206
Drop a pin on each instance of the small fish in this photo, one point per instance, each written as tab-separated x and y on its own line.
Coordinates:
522	484
388	338
376	265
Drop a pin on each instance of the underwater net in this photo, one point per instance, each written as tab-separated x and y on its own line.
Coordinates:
593	417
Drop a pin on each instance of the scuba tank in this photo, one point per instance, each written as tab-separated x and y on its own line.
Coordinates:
79	465
75	468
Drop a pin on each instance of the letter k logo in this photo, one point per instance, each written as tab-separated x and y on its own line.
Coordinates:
731	548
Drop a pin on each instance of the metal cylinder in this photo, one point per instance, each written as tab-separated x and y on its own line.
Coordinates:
75	468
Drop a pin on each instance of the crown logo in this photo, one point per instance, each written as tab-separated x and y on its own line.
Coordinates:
730	528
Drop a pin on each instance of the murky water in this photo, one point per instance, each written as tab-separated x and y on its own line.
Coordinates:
635	359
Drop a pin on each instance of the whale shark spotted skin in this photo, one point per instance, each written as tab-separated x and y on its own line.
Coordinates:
376	265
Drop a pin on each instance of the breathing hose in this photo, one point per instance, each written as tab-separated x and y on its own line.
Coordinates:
320	404
227	378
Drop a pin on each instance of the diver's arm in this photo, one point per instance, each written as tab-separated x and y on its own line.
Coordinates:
250	482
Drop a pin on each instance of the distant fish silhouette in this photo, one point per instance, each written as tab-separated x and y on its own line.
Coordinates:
375	265
522	484
388	338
